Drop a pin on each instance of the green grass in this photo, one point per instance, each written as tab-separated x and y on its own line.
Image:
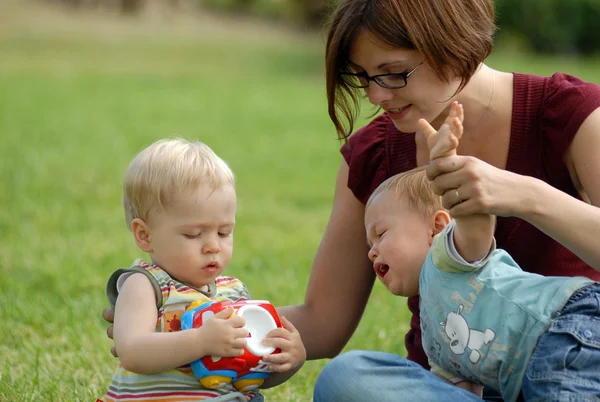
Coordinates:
79	96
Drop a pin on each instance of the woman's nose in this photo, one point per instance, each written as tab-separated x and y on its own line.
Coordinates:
377	94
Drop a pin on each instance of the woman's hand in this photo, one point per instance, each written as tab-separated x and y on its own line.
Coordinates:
109	315
470	186
473	388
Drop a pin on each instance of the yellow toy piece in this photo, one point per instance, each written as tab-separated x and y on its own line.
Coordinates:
214	381
248	384
195	304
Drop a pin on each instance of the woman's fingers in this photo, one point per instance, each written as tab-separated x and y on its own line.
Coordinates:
109	315
443	179
453	197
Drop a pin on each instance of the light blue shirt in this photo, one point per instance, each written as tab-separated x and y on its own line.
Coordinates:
481	321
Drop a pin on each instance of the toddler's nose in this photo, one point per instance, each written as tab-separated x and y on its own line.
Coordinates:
372	254
211	247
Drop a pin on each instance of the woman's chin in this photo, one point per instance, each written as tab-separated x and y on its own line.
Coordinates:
406	125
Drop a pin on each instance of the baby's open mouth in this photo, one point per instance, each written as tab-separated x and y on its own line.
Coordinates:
381	269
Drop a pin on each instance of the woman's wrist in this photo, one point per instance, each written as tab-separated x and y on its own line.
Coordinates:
535	196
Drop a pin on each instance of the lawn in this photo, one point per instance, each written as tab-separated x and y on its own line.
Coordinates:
80	94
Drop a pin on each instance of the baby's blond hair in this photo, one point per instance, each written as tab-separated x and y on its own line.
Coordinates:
168	169
413	186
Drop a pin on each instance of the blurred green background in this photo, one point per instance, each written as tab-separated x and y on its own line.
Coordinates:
84	85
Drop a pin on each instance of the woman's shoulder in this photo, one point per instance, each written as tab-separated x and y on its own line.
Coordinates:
368	155
560	91
564	102
367	139
570	94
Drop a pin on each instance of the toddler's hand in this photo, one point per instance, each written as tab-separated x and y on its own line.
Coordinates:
288	340
444	142
224	335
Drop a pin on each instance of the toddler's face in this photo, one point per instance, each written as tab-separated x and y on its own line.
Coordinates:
192	239
399	238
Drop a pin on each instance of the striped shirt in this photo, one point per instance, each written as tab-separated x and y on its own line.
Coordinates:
172	298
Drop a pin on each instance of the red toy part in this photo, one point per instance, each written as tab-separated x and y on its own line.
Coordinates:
261	317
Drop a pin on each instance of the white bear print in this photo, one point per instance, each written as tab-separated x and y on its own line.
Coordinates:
463	337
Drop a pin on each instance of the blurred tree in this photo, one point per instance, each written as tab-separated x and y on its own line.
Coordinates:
549	26
307	12
314	11
128	7
131	6
552	26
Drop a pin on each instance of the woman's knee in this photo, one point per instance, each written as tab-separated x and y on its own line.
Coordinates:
342	379
353	376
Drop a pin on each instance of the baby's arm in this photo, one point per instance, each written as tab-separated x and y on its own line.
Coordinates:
144	351
473	235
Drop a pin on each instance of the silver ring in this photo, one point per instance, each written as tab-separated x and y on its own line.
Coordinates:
458	196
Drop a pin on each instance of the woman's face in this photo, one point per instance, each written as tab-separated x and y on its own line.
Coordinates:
424	96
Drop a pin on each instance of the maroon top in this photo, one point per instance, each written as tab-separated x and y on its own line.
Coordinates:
547	113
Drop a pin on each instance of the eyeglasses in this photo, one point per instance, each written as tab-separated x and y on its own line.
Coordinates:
390	81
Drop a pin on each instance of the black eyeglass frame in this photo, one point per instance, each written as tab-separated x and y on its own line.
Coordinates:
377	78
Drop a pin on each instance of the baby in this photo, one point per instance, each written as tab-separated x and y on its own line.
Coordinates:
180	203
484	321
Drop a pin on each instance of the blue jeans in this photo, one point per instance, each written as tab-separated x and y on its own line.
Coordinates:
565	366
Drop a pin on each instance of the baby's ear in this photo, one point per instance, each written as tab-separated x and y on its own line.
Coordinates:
439	220
142	235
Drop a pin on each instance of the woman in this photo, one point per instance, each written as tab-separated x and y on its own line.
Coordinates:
528	146
528	154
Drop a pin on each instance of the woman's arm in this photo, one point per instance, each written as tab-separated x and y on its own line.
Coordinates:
486	189
572	222
341	279
144	351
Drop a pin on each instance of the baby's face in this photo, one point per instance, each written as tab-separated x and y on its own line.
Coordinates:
192	239
399	239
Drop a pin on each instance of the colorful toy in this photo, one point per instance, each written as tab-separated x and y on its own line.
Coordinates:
247	371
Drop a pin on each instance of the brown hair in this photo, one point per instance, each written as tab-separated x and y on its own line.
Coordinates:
413	186
454	36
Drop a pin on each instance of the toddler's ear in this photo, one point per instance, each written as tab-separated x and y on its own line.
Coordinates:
142	234
439	220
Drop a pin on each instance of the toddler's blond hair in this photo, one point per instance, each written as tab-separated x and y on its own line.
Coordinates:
414	187
167	169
